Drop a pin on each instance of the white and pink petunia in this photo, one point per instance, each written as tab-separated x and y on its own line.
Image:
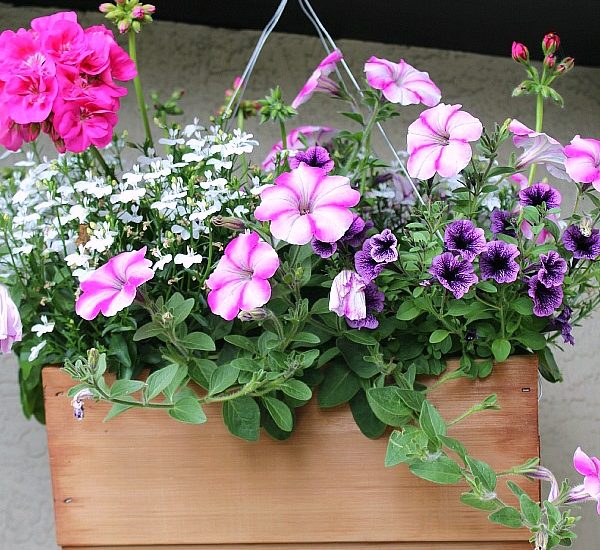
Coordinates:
240	282
589	467
113	286
306	203
401	83
438	141
538	148
583	161
319	80
298	139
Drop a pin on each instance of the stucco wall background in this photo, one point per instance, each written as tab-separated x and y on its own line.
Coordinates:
204	61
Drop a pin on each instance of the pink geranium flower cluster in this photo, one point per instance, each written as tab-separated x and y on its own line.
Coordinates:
59	78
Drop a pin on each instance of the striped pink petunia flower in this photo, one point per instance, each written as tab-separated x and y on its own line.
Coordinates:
583	161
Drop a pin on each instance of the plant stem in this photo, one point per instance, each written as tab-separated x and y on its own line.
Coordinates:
138	90
98	156
539	119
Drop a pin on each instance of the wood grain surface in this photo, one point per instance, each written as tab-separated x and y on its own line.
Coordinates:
143	479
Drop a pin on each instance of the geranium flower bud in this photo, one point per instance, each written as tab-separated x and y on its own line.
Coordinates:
550	61
520	53
123	25
565	65
137	12
106	7
550	43
149	9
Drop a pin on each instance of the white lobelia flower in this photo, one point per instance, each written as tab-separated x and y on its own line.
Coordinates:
96	187
44	327
102	238
173	138
35	351
128	195
162	261
78	259
189	259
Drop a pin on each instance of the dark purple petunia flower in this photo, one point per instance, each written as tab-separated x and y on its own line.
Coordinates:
553	269
374	300
583	244
546	300
464	238
538	194
383	247
365	265
497	262
453	273
562	323
316	156
503	222
325	250
357	232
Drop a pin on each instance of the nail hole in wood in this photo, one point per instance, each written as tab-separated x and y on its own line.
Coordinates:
525	390
68	500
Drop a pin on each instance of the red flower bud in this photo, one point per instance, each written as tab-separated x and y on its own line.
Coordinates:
106	7
550	61
550	43
520	53
565	65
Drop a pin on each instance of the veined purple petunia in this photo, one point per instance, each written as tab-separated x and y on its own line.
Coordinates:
546	300
583	161
503	222
462	237
307	203
539	194
365	264
453	273
538	148
497	262
319	80
582	244
316	156
374	301
401	83
240	281
553	269
438	141
383	247
113	286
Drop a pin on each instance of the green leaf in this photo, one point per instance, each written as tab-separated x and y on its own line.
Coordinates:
306	338
388	406
199	341
501	349
360	337
242	417
118	348
187	409
279	412
149	330
116	410
340	385
201	370
408	311
548	367
454	445
357	117
515	489
508	516
246	364
532	340
354	355
405	445
241	342
443	470
296	389
159	380
364	417
487	286
327	356
125	387
182	310
523	305
483	472
530	510
411	398
474	501
222	378
431	421
438	336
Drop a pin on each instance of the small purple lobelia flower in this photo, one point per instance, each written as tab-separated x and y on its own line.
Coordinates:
374	300
584	244
453	273
497	262
546	300
325	250
383	247
364	263
553	269
503	222
562	323
462	237
316	156
538	194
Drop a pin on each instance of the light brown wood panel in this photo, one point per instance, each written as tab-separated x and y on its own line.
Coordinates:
144	479
328	546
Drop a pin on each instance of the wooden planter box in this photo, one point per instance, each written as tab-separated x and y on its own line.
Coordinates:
143	481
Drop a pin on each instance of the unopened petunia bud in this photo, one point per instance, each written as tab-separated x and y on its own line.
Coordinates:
565	65
550	61
228	222
256	314
550	43
520	53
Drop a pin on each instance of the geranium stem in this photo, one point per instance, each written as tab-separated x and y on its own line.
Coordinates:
98	156
138	90
539	119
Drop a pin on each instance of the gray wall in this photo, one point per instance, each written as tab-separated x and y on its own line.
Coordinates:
204	61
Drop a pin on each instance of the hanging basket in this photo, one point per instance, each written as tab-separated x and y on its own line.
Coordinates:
142	481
